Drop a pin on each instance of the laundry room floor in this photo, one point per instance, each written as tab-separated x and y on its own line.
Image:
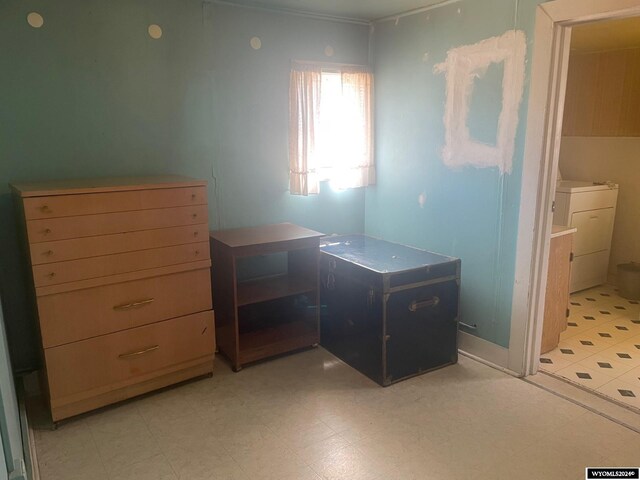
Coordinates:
600	349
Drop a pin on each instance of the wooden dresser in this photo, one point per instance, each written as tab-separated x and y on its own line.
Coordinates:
121	278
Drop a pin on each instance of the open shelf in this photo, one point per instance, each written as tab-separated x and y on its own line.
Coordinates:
270	288
259	344
266	297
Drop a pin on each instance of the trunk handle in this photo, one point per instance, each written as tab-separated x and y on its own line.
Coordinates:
414	306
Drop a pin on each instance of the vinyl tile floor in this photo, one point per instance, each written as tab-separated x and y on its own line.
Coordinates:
600	349
309	416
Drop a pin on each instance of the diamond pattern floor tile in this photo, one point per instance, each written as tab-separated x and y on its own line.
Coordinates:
600	349
622	392
585	376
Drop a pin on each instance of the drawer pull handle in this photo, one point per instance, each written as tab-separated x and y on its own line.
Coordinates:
413	306
48	253
197	252
195	234
129	306
139	352
45	209
193	196
47	231
51	275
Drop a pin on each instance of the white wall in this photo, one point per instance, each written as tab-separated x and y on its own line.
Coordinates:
616	159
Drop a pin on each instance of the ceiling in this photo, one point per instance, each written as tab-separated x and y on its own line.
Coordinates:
610	35
364	10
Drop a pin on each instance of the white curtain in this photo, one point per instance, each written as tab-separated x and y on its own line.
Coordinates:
331	128
304	109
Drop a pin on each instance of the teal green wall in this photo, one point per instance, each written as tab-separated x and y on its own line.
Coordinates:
252	117
470	213
91	94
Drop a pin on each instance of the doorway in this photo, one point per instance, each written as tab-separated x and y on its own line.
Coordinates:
554	24
596	343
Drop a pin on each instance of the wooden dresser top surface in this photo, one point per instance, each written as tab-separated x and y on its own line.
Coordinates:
101	185
280	232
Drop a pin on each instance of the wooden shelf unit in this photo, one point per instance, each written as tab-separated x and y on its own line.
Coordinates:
271	288
237	338
271	341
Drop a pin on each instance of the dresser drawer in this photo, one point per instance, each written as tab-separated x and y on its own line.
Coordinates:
73	270
94	366
95	203
74	248
108	223
81	314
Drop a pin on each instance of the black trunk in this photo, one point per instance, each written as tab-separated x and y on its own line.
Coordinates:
389	310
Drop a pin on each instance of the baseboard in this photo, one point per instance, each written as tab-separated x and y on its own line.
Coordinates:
489	364
483	350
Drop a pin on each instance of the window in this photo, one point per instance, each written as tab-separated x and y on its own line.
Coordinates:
331	129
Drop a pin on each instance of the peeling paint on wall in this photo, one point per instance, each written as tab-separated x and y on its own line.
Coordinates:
462	66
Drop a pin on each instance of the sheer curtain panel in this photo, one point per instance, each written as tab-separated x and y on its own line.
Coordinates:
304	109
331	127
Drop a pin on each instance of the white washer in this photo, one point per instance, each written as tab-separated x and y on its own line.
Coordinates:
591	208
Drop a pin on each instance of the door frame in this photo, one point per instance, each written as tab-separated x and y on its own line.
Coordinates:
541	157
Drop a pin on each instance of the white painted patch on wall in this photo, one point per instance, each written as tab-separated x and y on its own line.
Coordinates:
422	199
462	66
328	51
256	43
155	31
35	20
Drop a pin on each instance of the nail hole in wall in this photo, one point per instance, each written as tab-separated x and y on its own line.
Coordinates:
328	51
256	43
35	20
155	31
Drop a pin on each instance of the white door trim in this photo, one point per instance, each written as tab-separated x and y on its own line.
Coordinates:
544	128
